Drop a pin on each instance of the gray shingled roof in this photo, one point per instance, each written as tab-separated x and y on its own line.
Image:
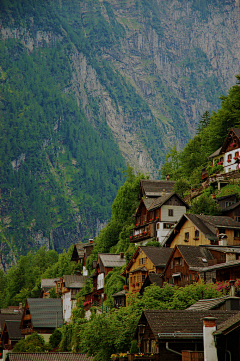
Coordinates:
147	202
111	260
207	304
216	153
154	188
220	221
181	322
44	312
194	255
229	264
120	293
224	326
14	331
80	249
48	356
4	317
222	249
74	281
49	282
159	256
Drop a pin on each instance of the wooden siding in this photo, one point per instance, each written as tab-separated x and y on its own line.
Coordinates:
178	211
177	264
189	227
137	275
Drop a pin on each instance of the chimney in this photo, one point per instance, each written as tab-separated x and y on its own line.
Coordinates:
167	177
90	240
121	255
232	288
210	351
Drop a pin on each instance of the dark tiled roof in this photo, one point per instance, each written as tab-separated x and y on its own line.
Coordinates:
223	328
220	221
4	317
44	312
227	249
148	202
173	321
120	293
154	188
208	304
161	200
230	208
74	281
111	260
229	196
207	229
155	278
194	255
48	356
14	331
159	256
236	131
229	264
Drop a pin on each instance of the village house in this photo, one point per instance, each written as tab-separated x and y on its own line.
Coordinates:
145	260
104	264
120	299
228	154
171	335
180	269
225	303
67	287
46	285
41	315
155	217
81	252
10	335
195	229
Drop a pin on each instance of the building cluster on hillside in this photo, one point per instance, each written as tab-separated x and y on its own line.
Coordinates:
193	248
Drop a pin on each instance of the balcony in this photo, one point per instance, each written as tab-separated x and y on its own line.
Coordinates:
140	237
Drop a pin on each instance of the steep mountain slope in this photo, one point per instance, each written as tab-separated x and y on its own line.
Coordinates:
89	86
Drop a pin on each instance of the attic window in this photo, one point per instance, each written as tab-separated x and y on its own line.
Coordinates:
196	234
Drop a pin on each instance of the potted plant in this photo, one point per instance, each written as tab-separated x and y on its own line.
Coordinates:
229	160
186	240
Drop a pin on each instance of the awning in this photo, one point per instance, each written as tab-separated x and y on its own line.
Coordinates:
176	274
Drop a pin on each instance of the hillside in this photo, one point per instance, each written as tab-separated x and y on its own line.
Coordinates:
89	86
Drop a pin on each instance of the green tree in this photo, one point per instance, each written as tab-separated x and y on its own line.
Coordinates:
171	166
204	204
182	186
33	343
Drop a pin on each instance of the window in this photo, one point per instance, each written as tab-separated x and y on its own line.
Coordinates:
152	346
143	278
158	225
177	261
167	225
139	278
236	233
197	234
142	261
130	279
170	212
186	239
227	204
237	219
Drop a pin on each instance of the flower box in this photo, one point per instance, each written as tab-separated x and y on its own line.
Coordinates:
186	240
232	145
229	160
196	238
220	163
125	287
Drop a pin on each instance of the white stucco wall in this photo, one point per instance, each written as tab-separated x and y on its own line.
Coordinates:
229	166
66	297
178	211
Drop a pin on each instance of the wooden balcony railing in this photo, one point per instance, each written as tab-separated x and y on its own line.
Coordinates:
140	236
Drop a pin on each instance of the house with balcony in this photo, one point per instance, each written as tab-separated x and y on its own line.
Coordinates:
196	230
145	260
104	264
155	217
228	154
10	335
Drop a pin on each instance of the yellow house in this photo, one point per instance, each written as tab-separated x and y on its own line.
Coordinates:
144	261
196	230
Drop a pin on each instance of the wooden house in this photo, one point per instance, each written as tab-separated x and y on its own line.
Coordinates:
78	253
226	201
46	285
171	335
195	230
218	272
225	303
228	154
232	211
181	266
67	287
144	261
41	315
155	217
104	264
152	278
11	334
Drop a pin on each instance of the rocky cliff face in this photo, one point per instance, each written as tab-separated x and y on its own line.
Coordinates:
142	73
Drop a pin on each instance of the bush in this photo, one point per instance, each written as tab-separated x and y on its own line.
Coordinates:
134	347
55	338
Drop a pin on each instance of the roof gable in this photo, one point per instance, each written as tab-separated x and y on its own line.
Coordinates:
160	201
232	137
155	188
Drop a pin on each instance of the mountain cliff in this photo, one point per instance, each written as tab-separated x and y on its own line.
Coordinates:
88	87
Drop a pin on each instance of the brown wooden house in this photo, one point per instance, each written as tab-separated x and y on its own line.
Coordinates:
11	334
155	217
120	299
165	335
181	266
195	230
41	315
144	261
105	263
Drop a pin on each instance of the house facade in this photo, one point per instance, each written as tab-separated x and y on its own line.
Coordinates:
145	260
155	217
228	154
195	230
